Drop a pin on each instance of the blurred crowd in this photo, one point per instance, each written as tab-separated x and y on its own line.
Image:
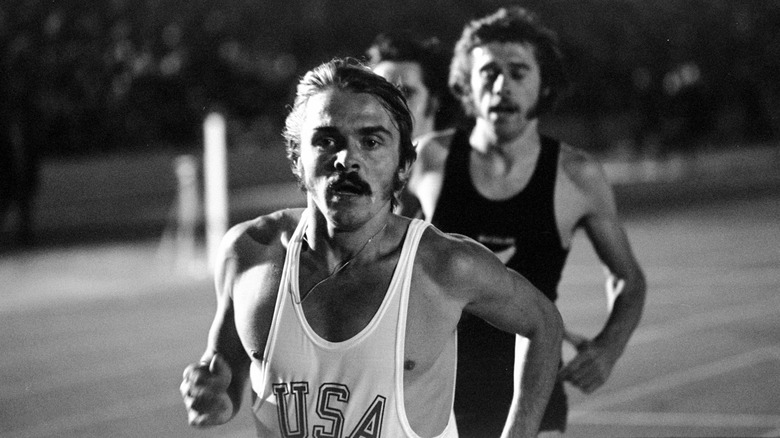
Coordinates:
648	78
125	75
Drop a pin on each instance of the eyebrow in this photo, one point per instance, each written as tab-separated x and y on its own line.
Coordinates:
379	129
521	64
513	64
366	130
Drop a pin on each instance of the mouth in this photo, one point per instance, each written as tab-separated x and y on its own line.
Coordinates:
504	108
349	185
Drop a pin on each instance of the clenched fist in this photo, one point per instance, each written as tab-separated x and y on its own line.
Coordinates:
592	366
204	389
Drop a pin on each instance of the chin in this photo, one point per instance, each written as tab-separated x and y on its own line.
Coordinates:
505	126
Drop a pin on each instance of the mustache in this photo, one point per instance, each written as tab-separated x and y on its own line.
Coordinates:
504	106
350	182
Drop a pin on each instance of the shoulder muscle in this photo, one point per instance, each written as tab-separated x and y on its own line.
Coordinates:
459	264
585	177
252	243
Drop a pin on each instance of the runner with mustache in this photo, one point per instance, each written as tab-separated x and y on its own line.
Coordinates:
343	316
523	195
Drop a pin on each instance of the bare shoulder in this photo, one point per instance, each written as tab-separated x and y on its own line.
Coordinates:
263	232
580	167
254	243
582	177
459	264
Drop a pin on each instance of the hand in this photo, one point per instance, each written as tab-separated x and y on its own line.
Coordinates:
592	365
204	390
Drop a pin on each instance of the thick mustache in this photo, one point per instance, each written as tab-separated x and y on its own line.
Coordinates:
350	182
504	106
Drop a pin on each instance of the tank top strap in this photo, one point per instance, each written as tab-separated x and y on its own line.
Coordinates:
404	271
290	270
414	235
543	179
458	157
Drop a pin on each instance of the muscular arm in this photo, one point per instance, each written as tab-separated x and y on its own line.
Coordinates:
508	301
592	366
540	366
213	388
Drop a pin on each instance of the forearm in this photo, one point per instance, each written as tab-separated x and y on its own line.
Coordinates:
625	314
538	378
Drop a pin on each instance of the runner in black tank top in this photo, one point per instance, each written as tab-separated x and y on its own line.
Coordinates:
524	225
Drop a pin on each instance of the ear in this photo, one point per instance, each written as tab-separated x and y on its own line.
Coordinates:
297	167
404	172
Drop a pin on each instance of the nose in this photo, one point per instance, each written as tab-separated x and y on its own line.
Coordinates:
347	158
499	85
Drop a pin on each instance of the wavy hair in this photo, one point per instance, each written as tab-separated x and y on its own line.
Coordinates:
511	24
349	74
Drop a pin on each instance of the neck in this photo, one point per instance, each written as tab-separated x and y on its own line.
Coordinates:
486	140
337	244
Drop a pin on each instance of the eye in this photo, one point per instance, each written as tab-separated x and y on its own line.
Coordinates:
324	142
371	142
518	74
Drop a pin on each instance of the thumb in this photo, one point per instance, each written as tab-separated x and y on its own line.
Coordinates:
219	366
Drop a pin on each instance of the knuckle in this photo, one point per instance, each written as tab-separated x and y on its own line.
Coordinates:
196	419
199	377
188	401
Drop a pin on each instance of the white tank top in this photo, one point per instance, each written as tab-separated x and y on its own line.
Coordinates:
310	387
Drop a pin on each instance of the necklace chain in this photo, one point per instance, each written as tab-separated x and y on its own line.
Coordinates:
341	266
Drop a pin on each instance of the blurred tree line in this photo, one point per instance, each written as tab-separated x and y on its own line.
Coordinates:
127	75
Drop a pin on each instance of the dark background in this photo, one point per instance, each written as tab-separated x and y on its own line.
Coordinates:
681	97
114	76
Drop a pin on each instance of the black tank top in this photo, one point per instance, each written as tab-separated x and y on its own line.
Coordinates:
524	224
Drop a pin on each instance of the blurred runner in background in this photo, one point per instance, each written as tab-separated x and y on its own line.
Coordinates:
420	67
523	195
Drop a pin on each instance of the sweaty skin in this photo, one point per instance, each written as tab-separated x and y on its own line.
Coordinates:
345	132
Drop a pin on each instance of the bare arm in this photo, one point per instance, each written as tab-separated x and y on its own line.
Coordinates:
212	389
596	358
539	369
508	301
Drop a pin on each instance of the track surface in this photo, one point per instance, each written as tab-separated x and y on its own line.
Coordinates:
95	336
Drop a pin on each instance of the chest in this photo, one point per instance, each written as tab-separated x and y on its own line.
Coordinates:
254	301
497	177
339	307
339	310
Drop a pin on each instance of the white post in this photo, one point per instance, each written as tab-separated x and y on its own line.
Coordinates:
215	183
187	211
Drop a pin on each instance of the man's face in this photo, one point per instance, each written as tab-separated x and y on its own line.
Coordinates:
505	85
349	156
408	76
